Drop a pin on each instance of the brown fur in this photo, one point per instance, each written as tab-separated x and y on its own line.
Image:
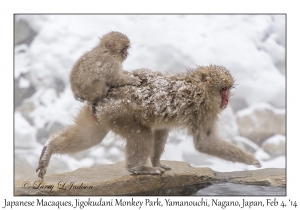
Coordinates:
144	115
101	68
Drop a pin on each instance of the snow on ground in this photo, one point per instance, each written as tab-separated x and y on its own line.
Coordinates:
252	47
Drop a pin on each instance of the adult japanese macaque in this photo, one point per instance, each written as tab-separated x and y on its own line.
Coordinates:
101	68
144	115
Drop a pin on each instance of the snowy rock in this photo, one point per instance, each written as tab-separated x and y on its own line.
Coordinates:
25	133
196	158
23	86
114	179
185	151
275	146
51	128
23	168
238	103
114	154
22	93
22	60
51	108
23	32
25	109
260	122
54	127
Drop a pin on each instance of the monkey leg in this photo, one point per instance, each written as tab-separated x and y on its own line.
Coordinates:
139	143
212	145
84	134
95	92
160	139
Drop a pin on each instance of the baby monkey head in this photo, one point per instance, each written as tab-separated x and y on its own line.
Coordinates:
116	43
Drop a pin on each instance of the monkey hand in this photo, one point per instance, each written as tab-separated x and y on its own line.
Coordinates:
135	81
257	164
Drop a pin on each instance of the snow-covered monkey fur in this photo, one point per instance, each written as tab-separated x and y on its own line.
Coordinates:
144	115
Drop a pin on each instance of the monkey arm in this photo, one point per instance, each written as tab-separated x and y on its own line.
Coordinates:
126	78
210	143
143	74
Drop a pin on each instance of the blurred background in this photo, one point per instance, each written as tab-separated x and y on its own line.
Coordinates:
252	47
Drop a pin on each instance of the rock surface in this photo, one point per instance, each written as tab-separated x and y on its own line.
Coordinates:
263	177
275	146
114	179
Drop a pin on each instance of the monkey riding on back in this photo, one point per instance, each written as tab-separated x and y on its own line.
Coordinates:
101	68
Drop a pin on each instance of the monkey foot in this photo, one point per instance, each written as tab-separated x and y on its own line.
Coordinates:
165	167
146	170
137	82
41	169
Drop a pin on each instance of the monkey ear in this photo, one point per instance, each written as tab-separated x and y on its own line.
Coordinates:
108	45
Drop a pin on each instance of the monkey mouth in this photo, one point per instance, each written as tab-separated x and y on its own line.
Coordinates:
224	95
124	53
224	104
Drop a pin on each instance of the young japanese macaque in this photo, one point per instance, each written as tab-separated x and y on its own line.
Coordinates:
101	68
144	115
